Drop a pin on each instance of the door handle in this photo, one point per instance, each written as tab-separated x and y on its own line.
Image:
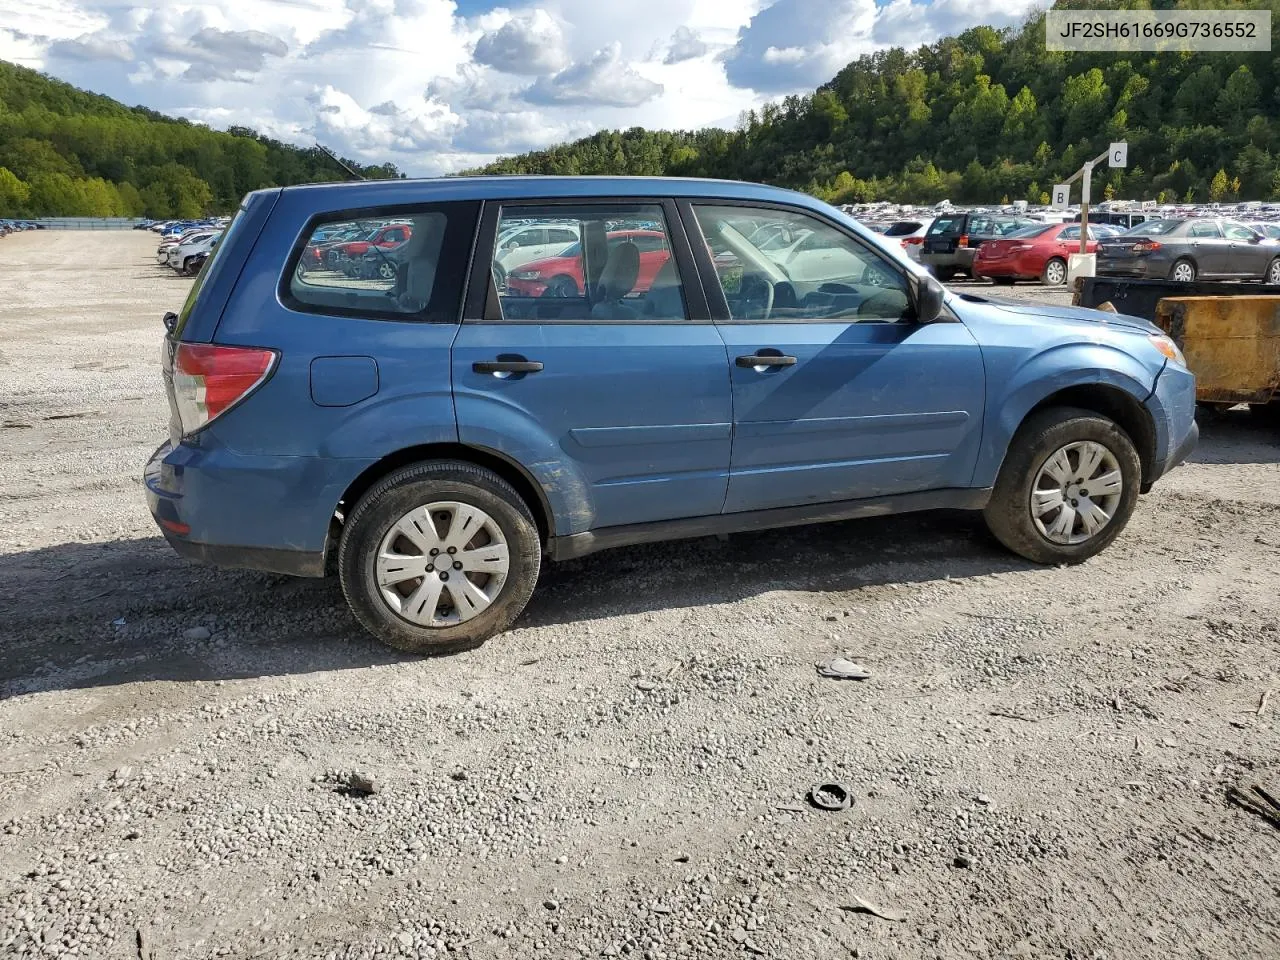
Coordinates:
766	360
507	366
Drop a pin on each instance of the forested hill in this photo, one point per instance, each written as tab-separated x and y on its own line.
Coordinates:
65	152
981	117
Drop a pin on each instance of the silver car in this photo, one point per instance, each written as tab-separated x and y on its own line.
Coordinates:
1186	250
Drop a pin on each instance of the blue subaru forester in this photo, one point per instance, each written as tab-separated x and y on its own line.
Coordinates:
431	385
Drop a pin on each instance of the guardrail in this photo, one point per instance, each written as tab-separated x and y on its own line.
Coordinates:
87	223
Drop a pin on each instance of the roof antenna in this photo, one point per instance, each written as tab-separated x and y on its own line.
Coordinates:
338	160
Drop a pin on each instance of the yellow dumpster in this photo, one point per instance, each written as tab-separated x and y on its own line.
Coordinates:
1232	345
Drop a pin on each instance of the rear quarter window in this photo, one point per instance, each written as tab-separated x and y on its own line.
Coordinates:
413	271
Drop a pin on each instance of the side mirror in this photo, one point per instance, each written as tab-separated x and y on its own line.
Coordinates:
1256	238
929	292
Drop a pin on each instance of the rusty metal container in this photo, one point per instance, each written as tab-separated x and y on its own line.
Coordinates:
1232	344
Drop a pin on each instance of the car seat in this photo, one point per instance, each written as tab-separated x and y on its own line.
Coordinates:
618	279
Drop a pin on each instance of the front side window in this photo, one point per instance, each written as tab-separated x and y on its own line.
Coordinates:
824	275
617	266
1237	231
383	267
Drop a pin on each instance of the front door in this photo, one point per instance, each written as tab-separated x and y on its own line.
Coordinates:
1210	250
611	390
836	395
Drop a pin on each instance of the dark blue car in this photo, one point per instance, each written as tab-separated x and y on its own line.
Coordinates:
432	430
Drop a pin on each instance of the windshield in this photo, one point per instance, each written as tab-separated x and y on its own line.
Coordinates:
1032	231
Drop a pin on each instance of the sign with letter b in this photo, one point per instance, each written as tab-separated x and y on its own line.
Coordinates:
1061	196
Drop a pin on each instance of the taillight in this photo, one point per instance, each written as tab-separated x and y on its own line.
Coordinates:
912	241
1145	246
964	240
208	379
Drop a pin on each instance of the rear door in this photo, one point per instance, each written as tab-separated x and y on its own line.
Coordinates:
836	396
616	396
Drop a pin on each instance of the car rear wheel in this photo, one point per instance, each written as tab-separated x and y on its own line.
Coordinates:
387	270
439	557
1184	271
1067	488
1272	278
1054	273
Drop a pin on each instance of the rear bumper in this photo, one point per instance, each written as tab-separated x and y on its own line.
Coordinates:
236	510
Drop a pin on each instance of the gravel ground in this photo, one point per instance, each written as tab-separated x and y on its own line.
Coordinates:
1038	763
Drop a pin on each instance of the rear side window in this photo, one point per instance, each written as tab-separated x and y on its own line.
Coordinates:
618	268
903	228
946	225
393	264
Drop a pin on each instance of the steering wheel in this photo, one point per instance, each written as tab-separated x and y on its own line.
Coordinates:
756	297
877	276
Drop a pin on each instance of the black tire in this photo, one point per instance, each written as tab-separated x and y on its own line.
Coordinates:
1008	513
1181	261
416	485
945	274
1002	281
561	285
1058	264
1272	277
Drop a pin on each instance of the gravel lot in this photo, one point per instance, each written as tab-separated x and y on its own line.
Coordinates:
1038	763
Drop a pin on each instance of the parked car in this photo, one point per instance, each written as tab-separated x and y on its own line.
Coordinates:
1186	250
909	233
520	245
434	437
954	238
187	245
181	256
1038	252
562	275
173	240
345	255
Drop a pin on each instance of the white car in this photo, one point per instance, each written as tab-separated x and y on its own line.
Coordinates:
910	234
168	243
201	243
534	241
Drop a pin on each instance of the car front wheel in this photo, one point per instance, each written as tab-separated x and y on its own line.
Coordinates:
1067	488
439	557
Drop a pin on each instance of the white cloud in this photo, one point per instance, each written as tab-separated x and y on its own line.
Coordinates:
90	46
604	79
685	45
530	45
438	85
793	45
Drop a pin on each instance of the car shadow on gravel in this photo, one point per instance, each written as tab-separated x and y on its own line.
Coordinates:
1238	436
96	614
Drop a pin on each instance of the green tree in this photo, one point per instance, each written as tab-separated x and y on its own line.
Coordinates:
1218	186
14	194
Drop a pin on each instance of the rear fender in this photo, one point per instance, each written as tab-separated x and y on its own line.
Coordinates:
495	423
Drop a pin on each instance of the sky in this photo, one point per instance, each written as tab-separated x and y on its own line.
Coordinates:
436	86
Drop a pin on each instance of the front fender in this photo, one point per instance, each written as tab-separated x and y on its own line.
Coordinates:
1014	393
487	420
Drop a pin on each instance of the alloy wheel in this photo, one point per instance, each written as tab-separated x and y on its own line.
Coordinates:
442	564
1184	272
1076	493
1055	273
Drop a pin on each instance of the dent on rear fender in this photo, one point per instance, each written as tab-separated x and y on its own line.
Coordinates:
496	423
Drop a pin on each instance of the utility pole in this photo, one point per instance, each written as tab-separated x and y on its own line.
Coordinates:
1117	155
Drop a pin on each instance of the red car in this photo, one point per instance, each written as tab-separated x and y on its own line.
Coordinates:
387	236
561	276
1038	252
